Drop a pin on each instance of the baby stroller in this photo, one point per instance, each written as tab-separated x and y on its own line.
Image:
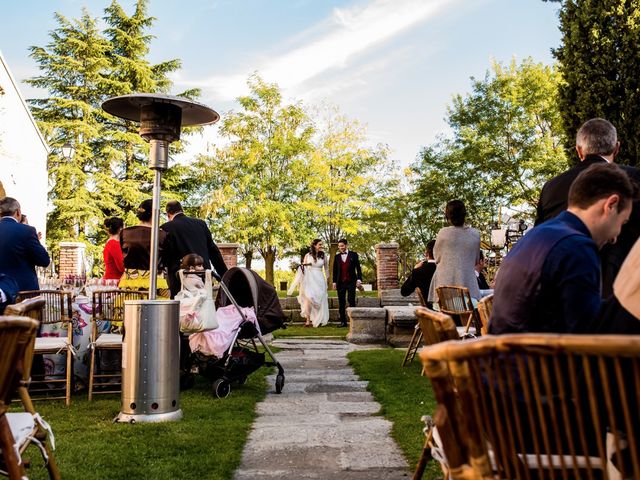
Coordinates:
242	287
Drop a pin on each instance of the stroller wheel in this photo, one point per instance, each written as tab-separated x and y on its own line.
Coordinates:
279	383
221	388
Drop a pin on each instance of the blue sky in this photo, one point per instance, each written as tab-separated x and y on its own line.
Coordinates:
392	64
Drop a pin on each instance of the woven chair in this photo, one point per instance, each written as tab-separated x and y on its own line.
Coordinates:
40	431
539	405
15	335
108	306
416	339
454	300
58	309
436	327
485	307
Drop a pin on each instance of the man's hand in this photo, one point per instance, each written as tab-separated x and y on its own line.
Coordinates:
419	264
335	287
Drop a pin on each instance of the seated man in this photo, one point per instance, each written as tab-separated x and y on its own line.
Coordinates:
479	269
421	274
550	281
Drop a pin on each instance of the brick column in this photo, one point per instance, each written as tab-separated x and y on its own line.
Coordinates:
387	263
229	253
72	259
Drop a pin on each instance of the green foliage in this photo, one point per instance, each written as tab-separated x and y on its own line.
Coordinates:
506	143
206	443
81	67
252	186
404	395
600	66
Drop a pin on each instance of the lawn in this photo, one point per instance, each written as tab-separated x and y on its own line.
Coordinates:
206	443
298	330
404	395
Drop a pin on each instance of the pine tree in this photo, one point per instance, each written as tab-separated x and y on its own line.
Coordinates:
600	66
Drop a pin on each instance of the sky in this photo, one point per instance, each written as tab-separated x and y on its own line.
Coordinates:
392	64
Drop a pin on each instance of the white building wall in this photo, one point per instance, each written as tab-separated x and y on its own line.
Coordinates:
23	153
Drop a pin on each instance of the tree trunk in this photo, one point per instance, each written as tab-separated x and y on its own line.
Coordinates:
248	258
269	255
333	248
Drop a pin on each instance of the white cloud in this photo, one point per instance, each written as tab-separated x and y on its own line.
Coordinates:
335	43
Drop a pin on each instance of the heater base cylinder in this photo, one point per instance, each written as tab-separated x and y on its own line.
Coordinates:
150	362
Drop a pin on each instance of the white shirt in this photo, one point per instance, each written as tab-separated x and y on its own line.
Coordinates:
3	297
344	255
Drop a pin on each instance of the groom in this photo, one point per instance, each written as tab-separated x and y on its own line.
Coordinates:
347	275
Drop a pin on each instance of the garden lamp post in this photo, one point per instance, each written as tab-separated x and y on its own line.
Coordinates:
68	151
150	350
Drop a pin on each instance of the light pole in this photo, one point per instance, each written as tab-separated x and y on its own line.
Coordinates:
68	151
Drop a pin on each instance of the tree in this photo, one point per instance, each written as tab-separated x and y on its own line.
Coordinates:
600	67
80	68
255	182
343	179
506	143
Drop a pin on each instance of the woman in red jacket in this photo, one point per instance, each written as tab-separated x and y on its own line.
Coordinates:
112	253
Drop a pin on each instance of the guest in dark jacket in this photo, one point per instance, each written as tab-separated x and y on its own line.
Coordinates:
421	275
596	143
479	268
20	249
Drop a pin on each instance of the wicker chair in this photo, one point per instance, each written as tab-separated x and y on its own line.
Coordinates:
416	339
15	335
58	309
454	300
32	308
485	307
536	405
108	306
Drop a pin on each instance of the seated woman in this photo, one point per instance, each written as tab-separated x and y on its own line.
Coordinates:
136	250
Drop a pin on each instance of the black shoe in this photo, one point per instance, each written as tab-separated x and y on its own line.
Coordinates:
342	325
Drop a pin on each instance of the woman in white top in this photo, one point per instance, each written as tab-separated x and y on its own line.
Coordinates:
312	279
456	252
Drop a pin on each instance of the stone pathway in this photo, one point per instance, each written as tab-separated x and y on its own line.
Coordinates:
323	425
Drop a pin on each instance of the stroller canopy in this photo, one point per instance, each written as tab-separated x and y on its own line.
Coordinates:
248	289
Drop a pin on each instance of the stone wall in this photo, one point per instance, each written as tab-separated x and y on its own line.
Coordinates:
229	253
72	259
387	263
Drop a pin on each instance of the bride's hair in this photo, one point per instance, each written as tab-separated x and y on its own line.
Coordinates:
313	252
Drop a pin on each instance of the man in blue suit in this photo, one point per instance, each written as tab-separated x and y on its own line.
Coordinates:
20	249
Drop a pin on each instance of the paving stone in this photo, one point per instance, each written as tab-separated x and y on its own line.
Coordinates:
324	425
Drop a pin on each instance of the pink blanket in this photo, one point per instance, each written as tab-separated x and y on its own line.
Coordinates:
217	342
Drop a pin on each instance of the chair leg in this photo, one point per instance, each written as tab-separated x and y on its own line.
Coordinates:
91	367
15	470
69	374
413	346
52	465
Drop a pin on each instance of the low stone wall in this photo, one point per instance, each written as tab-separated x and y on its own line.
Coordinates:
291	308
366	325
401	322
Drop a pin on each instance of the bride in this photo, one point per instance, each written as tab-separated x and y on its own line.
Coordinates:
312	279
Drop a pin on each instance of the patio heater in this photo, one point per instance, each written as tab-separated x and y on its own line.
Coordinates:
151	344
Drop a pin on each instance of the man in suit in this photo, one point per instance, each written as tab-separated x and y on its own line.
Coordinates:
596	143
20	249
8	291
187	235
347	275
421	275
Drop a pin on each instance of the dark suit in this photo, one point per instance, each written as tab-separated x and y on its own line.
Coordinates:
421	278
188	235
20	252
9	287
347	285
554	199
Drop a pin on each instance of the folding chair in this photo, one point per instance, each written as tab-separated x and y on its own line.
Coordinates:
15	334
416	339
106	334
58	309
539	405
36	430
454	300
485	307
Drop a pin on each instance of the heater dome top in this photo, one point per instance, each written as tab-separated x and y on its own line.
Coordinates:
130	107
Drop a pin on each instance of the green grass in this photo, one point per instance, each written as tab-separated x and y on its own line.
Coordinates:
206	443
299	331
404	395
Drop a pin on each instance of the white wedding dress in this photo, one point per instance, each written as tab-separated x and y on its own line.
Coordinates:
312	294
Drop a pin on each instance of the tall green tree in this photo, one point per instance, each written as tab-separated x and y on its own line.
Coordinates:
507	141
255	182
600	67
345	175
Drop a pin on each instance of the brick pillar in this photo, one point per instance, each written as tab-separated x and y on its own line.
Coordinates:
387	262
229	253
72	259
